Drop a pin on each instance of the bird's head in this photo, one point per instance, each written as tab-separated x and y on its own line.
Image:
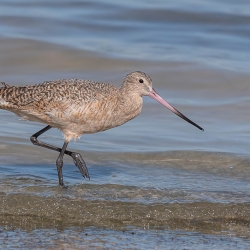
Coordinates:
140	83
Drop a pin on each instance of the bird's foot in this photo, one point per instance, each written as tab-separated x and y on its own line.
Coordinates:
80	163
59	165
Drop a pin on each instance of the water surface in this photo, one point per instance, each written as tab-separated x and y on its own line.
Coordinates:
156	182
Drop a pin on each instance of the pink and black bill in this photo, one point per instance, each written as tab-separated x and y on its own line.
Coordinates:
153	94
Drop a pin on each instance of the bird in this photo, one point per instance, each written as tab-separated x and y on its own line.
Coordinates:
78	106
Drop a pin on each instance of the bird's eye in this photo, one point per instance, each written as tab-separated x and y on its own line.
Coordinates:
140	81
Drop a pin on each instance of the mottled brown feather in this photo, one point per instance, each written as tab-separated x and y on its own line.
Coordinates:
77	106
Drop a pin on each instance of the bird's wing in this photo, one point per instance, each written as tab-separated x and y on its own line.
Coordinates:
82	91
60	91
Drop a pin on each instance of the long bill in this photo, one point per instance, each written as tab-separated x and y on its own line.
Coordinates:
153	94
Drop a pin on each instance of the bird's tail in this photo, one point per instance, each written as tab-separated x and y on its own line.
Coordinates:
3	90
5	85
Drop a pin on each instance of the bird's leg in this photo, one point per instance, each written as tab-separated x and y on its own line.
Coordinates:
35	141
77	158
59	163
80	163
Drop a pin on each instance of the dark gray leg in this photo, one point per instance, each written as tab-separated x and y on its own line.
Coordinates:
59	163
77	158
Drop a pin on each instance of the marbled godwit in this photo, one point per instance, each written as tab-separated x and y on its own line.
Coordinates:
79	107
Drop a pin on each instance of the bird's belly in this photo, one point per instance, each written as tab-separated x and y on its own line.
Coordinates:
95	118
92	122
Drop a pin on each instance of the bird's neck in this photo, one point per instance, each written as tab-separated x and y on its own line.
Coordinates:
131	102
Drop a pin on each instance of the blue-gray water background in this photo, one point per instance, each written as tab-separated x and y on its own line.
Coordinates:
156	182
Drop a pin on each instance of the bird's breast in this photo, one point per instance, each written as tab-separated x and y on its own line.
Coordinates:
98	115
106	114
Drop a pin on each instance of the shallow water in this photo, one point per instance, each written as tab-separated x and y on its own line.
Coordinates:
156	182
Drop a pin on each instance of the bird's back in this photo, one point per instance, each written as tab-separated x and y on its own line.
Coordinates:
75	90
